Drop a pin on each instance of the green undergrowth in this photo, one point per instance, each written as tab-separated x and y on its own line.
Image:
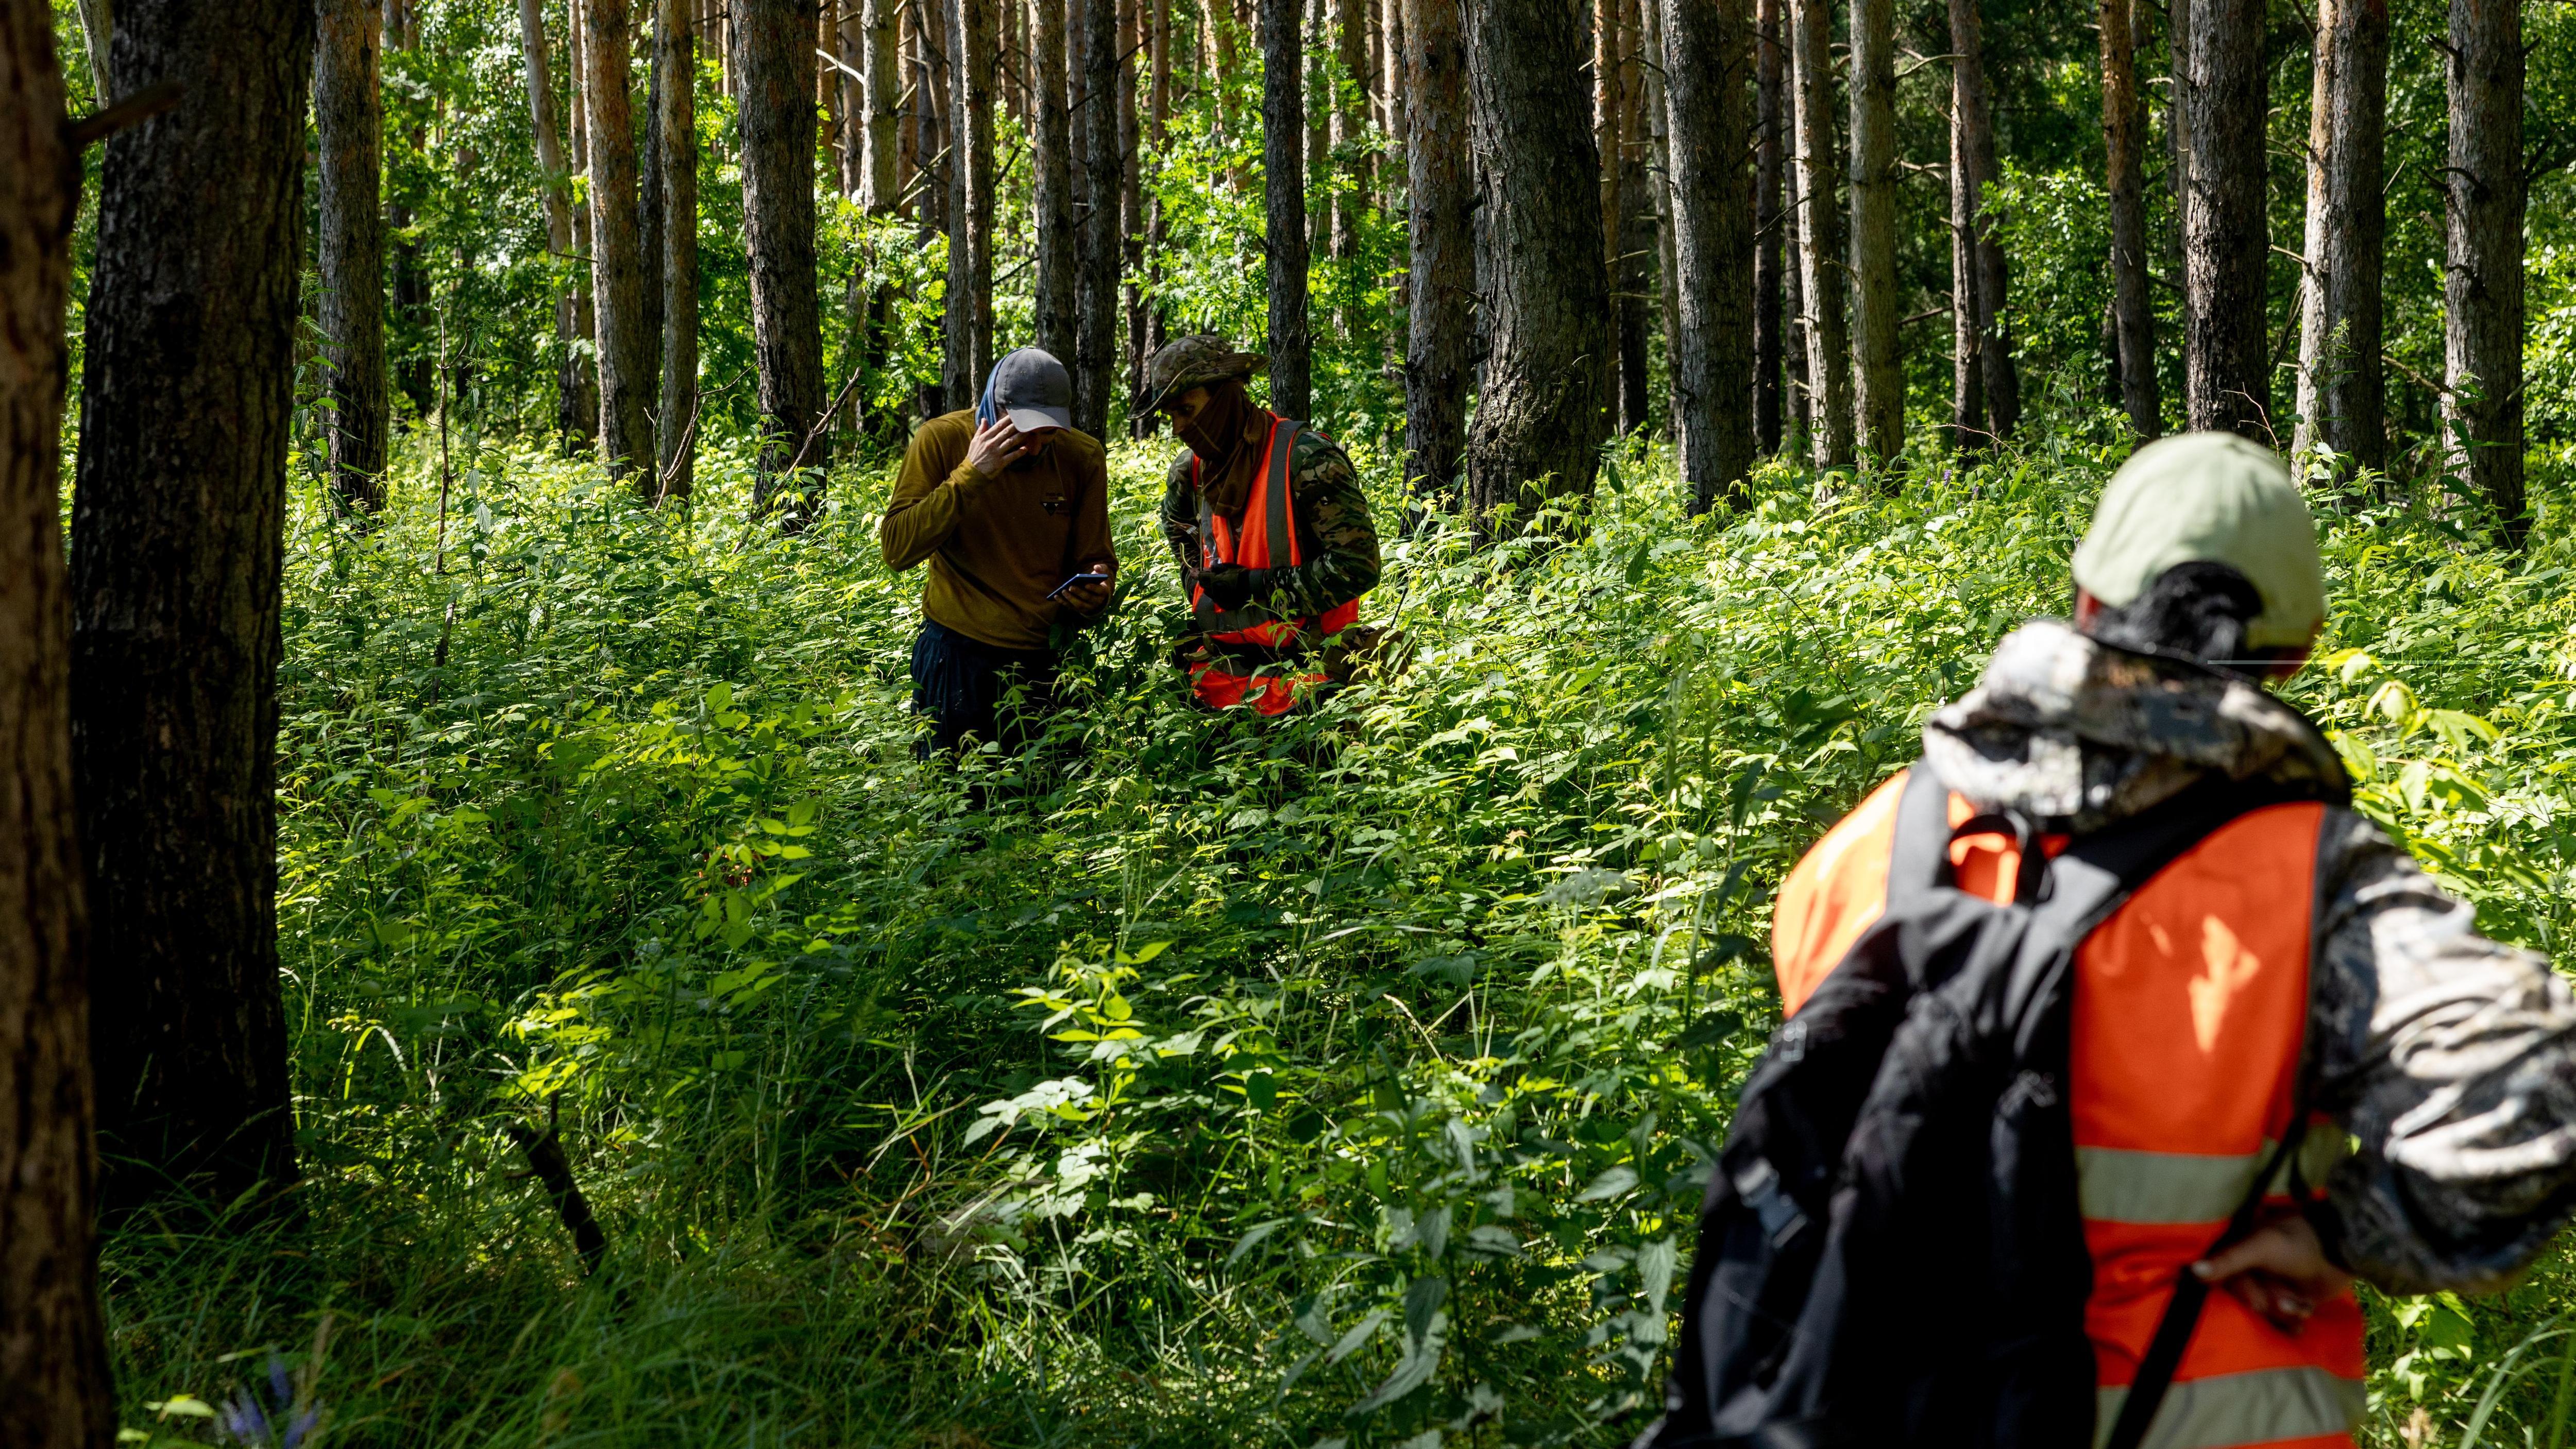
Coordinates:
1182	1082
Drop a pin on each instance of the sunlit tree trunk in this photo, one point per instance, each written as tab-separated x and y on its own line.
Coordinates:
1441	191
1880	417
53	1344
1095	51
1967	348
774	72
1976	121
1708	65
2124	134
2226	381
626	373
969	330
1283	159
1545	407
2342	396
1131	203
676	38
187	400
1632	273
883	182
2482	294
1158	119
574	415
349	122
1351	201
1770	160
1820	235
1052	183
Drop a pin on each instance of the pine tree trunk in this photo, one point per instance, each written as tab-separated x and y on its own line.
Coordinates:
2124	134
585	304
2342	395
1820	235
626	372
676	41
648	232
1796	381
774	73
1708	61
1441	284
53	1343
1967	350
1131	207
1095	49
2482	294
1283	161
1770	162
1052	181
1351	200
883	183
1399	123
1879	420
1976	121
1157	121
177	551
1608	110
1545	406
968	332
572	418
2226	382
1655	206
1319	133
1632	271
348	121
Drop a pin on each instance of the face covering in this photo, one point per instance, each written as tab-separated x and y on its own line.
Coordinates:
1227	455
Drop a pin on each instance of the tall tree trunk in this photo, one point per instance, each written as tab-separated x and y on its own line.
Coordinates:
1319	134
676	40
1770	160
1441	191
1632	271
1131	205
1545	407
1351	198
1707	62
349	121
1967	347
1820	235
774	70
1158	121
585	303
883	182
177	550
2226	381
2482	293
932	151
574	416
2124	134
1608	110
1796	380
968	330
1095	49
1976	122
53	1342
1052	183
1283	163
648	231
1879	422
626	371
2342	396
1654	206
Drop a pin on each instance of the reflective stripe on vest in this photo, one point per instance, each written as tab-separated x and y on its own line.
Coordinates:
1269	522
2189	1013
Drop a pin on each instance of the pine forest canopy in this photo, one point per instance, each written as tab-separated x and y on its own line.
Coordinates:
532	989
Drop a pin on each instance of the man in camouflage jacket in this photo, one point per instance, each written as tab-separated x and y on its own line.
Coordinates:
1197	383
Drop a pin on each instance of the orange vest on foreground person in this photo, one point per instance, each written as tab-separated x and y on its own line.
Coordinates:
1247	650
2189	1014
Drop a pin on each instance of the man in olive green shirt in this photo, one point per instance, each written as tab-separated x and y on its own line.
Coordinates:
1009	505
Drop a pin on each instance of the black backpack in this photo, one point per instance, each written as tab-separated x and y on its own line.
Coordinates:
1892	1252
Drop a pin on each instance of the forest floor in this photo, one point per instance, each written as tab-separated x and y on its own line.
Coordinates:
1340	1081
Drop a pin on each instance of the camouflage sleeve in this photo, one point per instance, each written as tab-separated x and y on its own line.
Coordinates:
2451	1060
1336	515
1181	512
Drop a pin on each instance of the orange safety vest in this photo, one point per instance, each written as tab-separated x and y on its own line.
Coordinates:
2190	1009
1248	646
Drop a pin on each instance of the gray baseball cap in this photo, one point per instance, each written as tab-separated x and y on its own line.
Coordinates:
1033	390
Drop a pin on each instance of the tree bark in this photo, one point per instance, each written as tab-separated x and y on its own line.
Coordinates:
1608	110
675	37
1708	62
884	177
1879	421
1052	187
774	72
348	123
1350	125
649	219
1820	236
575	411
585	303
1967	349
2482	291
1632	270
1283	162
2226	382
968	330
1096	113
1131	206
1158	119
2124	134
53	1341
1442	282
1657	205
1769	163
2342	396
177	549
626	371
1976	123
1545	407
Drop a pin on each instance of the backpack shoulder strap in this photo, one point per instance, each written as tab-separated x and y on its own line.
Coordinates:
1919	857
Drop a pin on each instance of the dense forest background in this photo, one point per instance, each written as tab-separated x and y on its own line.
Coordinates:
672	1057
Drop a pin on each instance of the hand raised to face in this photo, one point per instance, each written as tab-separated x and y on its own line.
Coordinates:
997	445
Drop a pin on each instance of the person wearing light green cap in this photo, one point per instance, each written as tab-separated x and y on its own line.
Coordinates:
2294	958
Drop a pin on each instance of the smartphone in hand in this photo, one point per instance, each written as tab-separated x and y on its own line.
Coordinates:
1077	579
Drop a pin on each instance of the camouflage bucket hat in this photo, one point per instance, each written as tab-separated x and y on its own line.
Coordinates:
1187	362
